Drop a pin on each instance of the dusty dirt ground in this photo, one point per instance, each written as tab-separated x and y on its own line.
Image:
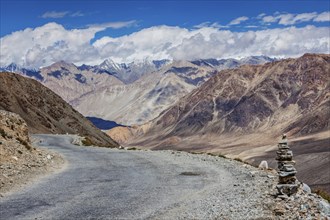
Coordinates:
311	152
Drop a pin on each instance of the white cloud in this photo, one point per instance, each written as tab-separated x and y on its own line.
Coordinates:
114	25
304	17
62	14
238	20
261	15
54	14
286	19
291	19
77	14
52	42
323	17
251	26
209	24
269	19
46	44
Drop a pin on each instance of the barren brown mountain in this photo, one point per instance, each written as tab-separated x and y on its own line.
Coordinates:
242	112
44	111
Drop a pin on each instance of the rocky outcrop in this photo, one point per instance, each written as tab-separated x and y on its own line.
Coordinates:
20	161
44	111
12	126
301	205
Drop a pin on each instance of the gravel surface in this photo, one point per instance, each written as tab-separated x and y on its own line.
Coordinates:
107	183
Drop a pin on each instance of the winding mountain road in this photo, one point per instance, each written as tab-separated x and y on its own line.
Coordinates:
106	183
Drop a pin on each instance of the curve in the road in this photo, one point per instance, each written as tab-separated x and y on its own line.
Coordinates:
107	183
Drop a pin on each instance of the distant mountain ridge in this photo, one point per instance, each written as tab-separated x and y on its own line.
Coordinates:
130	72
125	72
139	90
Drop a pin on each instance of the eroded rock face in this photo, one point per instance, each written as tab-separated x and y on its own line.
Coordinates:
13	126
19	160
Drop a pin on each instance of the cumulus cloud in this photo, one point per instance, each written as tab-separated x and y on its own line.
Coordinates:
46	44
291	19
238	20
52	42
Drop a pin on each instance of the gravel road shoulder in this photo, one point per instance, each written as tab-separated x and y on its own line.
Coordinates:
27	166
132	184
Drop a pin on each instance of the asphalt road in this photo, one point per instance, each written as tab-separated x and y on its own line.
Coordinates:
101	183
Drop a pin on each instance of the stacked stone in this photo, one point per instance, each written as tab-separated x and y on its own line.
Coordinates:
288	183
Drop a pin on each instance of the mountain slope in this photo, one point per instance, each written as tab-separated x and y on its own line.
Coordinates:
144	99
139	90
130	72
70	81
44	111
289	93
242	113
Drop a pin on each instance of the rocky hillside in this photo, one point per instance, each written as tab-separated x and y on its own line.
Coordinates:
44	111
292	94
19	160
139	90
70	81
241	112
144	99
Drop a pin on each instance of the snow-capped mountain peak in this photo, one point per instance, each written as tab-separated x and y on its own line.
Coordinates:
130	72
110	64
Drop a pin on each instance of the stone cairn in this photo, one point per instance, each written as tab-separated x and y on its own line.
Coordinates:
288	183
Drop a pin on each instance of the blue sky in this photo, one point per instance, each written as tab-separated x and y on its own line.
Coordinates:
91	31
18	15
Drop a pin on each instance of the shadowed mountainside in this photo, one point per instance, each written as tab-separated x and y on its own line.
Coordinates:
103	124
44	111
